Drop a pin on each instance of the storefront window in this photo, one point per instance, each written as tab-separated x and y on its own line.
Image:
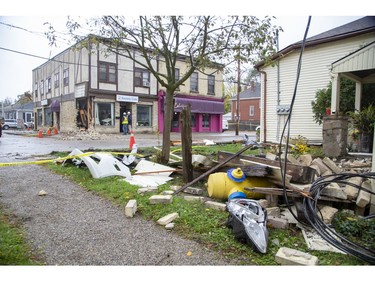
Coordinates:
104	113
40	117
144	115
193	120
48	117
206	120
175	120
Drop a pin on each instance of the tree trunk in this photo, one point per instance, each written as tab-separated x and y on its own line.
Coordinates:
168	111
186	144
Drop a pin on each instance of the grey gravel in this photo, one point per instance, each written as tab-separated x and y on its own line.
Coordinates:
73	226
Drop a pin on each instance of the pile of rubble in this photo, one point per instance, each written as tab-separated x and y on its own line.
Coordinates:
89	134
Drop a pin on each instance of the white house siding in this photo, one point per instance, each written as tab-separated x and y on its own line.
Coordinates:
125	74
315	75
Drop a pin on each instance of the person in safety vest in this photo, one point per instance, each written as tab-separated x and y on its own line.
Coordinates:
124	124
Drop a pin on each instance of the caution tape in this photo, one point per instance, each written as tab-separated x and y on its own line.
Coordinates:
59	159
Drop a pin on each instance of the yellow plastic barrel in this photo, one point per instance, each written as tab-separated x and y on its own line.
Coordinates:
220	186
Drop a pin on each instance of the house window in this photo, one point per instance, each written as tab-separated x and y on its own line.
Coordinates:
141	78
66	77
36	89
104	113
107	72
144	115
41	88
194	82
211	84
56	81
48	84
206	120
251	110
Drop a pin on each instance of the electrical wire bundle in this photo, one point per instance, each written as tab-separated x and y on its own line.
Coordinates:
325	231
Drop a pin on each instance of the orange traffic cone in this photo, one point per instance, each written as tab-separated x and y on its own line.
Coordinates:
55	131
132	140
49	132
40	134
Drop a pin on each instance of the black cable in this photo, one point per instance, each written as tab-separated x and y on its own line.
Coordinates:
328	233
287	123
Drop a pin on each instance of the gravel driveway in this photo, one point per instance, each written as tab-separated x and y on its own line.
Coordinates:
73	226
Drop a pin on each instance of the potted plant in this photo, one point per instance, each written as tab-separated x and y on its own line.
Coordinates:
364	121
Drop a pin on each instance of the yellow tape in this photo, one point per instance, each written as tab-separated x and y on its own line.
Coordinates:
62	159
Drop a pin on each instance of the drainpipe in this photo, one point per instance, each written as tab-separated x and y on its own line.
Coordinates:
264	103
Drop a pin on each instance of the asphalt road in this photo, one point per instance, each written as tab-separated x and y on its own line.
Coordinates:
24	144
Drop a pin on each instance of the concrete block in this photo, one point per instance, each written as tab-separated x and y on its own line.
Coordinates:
288	256
131	208
363	196
316	168
335	191
271	156
305	159
167	192
263	203
322	167
332	165
175	187
293	160
273	212
167	219
144	190
161	199
169	226
194	198
275	222
351	191
193	190
215	205
326	213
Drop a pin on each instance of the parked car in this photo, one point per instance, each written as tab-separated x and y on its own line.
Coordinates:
12	123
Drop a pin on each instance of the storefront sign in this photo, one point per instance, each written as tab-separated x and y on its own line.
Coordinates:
44	102
126	98
80	90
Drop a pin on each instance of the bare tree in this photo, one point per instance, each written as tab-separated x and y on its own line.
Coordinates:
203	41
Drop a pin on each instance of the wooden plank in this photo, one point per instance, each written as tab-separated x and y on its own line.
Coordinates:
298	173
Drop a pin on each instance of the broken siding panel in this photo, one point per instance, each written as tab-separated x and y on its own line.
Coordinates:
315	75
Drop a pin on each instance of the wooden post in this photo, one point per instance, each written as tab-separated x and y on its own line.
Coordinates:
186	144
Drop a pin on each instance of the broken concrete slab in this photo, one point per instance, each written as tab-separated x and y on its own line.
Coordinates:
351	191
273	211
169	226
149	189
305	159
322	167
315	242
288	256
287	215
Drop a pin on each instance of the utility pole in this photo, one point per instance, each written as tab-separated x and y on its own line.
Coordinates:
238	95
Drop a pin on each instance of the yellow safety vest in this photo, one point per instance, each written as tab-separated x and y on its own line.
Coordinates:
125	120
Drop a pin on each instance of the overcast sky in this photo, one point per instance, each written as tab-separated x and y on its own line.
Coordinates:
21	35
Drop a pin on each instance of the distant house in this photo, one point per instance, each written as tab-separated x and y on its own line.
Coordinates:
23	112
249	106
347	50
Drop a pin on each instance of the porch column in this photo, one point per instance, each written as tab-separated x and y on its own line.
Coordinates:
335	97
358	95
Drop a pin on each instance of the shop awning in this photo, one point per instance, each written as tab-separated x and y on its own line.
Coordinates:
199	105
55	106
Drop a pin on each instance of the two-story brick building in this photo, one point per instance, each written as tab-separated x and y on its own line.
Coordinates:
90	88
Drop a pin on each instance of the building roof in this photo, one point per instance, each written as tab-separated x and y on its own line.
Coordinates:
358	27
250	93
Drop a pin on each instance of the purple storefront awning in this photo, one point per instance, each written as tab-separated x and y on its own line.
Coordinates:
199	106
55	106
